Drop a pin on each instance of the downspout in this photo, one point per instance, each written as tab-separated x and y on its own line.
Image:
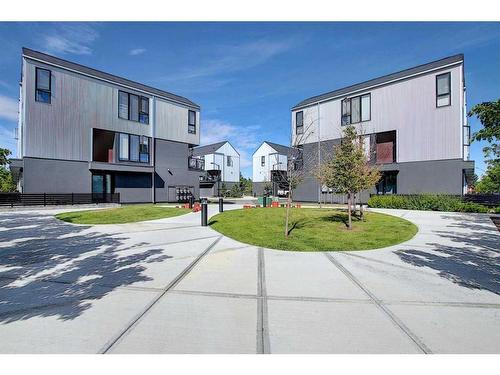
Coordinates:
153	148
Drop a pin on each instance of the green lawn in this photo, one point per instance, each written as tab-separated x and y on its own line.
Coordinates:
124	214
312	229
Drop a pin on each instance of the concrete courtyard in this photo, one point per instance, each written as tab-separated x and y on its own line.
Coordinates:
171	286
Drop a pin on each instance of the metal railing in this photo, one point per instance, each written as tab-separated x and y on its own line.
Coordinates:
52	199
196	163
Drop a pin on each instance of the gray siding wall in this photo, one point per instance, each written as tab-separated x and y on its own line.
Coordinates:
62	129
424	132
173	156
56	176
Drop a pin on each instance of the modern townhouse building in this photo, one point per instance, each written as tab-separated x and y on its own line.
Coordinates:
268	162
82	130
221	161
414	127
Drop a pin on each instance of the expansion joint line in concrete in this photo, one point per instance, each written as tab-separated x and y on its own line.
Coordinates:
263	343
106	348
380	305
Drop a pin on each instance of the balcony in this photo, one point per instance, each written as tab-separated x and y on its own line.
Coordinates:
196	163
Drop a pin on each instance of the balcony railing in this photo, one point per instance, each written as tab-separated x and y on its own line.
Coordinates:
197	164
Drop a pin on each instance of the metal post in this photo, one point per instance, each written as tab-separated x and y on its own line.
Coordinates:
204	213
44	199
221	205
264	201
191	201
72	199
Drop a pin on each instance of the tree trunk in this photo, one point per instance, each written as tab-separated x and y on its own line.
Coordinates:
287	215
349	204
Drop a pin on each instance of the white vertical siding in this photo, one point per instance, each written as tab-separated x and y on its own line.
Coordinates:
263	173
61	129
424	132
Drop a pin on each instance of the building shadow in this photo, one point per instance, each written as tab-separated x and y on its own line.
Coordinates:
51	268
469	254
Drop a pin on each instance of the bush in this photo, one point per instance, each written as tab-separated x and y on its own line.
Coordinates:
426	202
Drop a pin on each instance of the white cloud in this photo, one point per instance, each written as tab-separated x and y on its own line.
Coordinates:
70	38
242	138
232	58
136	51
8	108
7	139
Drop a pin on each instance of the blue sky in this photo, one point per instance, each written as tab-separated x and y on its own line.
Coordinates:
247	76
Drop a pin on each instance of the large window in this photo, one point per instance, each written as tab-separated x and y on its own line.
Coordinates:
192	122
443	90
43	84
356	109
299	122
134	148
133	107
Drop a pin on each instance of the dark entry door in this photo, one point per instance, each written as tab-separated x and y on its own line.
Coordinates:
101	185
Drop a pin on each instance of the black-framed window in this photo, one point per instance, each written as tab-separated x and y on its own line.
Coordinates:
191	122
229	160
262	161
443	90
133	107
134	148
388	183
43	85
299	122
356	109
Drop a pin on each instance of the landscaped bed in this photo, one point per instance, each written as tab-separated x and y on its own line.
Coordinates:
312	229
124	214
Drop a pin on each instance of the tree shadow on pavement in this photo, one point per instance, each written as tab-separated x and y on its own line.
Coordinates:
51	268
469	254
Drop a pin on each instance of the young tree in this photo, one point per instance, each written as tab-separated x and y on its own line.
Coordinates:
298	166
488	114
6	181
346	170
246	185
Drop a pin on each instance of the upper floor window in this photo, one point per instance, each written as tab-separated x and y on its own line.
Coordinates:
443	90
43	85
356	109
229	161
299	122
134	148
262	161
192	122
133	107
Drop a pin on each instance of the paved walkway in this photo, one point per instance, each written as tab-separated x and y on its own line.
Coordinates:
171	286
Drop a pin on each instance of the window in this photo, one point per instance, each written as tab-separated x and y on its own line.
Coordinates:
123	105
43	85
262	161
192	122
144	111
299	122
133	107
144	150
443	90
356	109
123	146
229	161
134	148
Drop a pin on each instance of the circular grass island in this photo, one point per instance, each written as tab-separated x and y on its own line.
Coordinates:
312	229
121	215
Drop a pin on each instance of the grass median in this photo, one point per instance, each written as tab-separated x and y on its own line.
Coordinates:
121	215
312	229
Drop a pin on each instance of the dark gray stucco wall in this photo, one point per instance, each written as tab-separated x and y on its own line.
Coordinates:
55	176
173	157
434	176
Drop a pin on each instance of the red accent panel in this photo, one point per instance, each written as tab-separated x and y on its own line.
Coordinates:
110	155
385	152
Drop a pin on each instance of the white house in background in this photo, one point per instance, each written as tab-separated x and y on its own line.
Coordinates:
267	158
223	157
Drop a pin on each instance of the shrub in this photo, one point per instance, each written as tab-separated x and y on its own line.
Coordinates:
426	202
